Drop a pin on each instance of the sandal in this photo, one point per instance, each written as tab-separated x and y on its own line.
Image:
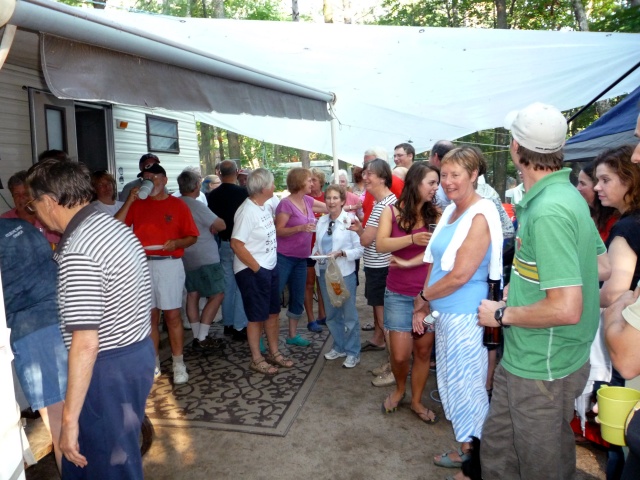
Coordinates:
446	462
279	360
391	408
261	366
367	327
424	416
370	346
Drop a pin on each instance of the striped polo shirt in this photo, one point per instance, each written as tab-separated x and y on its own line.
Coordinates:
373	259
103	281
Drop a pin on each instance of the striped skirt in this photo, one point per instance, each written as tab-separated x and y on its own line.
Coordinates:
462	373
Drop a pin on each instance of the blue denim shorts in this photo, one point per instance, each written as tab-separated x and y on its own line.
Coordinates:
40	359
398	312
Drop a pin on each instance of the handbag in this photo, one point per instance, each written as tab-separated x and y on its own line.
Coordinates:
336	287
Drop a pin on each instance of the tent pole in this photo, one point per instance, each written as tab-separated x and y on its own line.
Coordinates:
624	75
336	167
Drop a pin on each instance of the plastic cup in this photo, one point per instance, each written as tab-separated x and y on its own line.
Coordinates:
614	406
432	227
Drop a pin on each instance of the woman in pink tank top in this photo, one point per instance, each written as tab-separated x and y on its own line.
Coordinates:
404	231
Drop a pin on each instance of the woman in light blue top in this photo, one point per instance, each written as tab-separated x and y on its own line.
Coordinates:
335	240
465	250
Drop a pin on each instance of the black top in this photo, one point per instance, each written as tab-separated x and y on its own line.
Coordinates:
628	227
224	201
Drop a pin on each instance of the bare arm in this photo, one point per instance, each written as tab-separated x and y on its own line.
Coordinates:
244	255
184	242
604	267
82	357
468	258
283	231
217	226
319	207
622	339
623	263
132	197
561	306
386	243
412	262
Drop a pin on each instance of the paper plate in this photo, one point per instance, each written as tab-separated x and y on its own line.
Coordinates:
154	247
319	257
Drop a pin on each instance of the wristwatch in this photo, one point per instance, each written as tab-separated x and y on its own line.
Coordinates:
423	297
498	315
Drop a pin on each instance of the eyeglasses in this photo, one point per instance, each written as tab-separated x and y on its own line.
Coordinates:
330	229
29	208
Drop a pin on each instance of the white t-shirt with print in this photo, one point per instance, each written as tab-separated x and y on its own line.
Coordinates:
253	225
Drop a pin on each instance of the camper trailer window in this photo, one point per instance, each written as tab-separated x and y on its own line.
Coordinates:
162	134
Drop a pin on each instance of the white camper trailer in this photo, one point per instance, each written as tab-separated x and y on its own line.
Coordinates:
102	135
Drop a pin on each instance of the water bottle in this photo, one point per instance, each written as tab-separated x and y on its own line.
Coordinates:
145	189
493	335
428	323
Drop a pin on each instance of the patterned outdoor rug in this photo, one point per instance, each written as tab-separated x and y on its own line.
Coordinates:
223	394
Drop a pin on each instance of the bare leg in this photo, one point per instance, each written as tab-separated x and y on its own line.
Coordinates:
308	298
52	418
321	311
420	373
400	346
193	310
155	333
174	327
378	333
272	329
210	310
254	331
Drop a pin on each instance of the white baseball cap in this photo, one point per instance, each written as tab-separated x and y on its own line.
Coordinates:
540	128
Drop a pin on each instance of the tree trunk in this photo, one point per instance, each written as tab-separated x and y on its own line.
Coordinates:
327	10
234	145
501	14
304	158
581	15
295	13
207	148
500	166
218	8
346	8
220	144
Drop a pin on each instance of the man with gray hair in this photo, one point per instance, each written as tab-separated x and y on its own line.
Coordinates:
201	196
104	297
204	274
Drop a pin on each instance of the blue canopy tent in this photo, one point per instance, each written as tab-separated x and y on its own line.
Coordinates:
616	127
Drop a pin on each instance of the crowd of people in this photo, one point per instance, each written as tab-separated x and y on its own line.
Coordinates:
432	236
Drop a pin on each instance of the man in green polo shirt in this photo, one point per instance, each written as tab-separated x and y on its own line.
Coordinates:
551	315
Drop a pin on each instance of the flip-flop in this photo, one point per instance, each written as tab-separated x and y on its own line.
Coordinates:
424	416
367	327
368	346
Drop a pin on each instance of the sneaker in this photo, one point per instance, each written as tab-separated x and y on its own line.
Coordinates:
321	321
180	375
185	324
298	341
314	327
351	362
207	344
333	354
385	380
382	369
156	372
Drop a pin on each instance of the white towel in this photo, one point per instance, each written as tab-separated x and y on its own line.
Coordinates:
483	207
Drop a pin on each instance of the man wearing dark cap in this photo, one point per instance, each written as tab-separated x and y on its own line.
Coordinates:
145	162
165	227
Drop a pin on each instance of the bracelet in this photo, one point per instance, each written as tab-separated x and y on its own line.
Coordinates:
423	297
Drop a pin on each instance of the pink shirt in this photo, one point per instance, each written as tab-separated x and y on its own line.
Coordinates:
51	236
297	245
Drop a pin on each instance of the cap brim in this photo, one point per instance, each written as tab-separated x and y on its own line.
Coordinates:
510	118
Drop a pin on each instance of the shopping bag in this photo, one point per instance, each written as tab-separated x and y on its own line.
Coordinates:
336	287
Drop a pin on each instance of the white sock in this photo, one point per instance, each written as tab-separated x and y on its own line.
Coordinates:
177	359
195	328
203	332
